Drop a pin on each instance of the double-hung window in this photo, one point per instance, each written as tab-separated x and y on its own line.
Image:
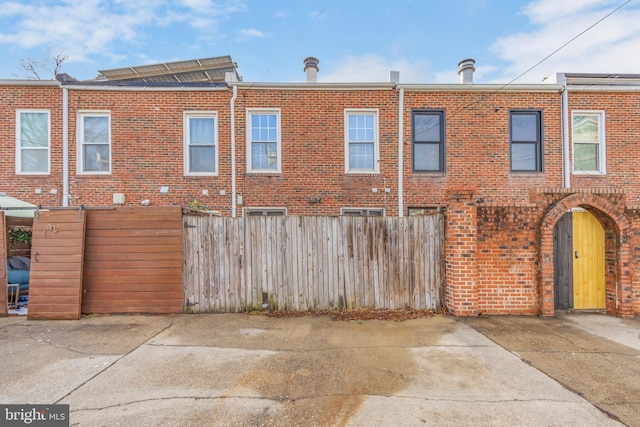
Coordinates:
362	212
588	142
526	140
200	143
427	131
94	142
361	141
264	144
33	142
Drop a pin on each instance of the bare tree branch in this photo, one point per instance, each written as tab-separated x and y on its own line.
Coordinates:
50	66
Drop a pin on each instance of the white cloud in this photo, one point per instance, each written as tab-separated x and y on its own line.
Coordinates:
610	46
86	29
372	68
252	33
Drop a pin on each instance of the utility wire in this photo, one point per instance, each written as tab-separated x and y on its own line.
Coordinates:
567	43
541	61
298	37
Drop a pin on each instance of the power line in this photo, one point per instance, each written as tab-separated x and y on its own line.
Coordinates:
543	59
298	37
568	42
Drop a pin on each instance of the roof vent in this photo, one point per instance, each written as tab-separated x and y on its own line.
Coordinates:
465	70
394	77
311	69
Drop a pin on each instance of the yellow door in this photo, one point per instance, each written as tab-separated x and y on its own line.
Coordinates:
588	262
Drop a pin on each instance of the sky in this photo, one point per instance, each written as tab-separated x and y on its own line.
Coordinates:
520	41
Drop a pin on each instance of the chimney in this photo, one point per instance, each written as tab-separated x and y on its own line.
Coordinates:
465	70
311	69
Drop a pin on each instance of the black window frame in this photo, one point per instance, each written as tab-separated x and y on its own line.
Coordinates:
539	151
441	143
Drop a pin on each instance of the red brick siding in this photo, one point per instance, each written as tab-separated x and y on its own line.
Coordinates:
507	259
147	148
622	133
477	146
13	98
313	152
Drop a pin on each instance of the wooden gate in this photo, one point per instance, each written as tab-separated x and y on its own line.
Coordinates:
57	249
563	258
579	262
133	260
588	262
311	263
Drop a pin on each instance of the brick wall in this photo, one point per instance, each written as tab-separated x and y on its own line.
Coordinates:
499	223
477	146
622	133
507	259
147	148
24	186
313	152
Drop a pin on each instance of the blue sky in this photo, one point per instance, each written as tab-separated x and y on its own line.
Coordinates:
355	40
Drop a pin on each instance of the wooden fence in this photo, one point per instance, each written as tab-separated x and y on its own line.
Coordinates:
311	263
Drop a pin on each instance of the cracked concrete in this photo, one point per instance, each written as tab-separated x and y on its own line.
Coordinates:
311	371
595	356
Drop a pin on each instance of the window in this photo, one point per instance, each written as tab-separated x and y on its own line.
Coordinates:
33	141
588	142
94	151
428	141
263	153
265	211
361	141
526	141
430	210
200	143
362	212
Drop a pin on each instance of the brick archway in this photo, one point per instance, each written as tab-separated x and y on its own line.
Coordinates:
617	250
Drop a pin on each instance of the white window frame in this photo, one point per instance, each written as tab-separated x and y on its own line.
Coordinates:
80	166
19	147
376	139
602	163
264	211
187	141
362	212
262	111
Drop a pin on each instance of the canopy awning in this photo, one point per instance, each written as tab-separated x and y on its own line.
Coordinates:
16	207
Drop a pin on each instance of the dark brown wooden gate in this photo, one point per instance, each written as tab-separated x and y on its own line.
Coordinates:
55	284
563	262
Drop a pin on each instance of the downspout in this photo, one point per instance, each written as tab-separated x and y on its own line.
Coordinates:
566	165
65	147
233	150
400	153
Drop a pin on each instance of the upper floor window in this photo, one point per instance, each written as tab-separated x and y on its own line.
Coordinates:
265	211
526	141
362	212
264	150
33	141
200	143
361	141
427	132
588	142
94	142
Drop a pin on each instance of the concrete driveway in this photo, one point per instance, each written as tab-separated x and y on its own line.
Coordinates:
252	370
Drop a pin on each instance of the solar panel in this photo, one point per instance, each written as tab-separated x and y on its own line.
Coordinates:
192	71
